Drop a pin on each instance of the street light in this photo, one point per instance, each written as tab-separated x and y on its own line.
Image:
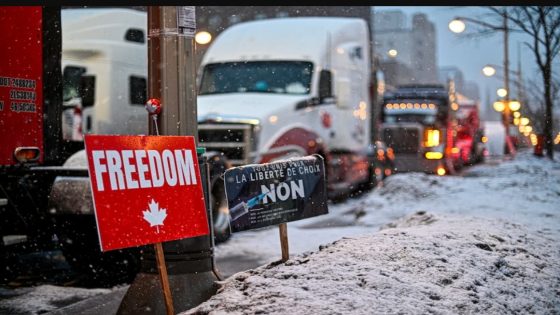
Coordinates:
457	25
502	92
392	53
203	37
488	71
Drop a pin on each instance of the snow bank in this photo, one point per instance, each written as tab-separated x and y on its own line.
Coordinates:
422	263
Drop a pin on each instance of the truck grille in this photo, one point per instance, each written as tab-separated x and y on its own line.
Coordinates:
402	140
233	140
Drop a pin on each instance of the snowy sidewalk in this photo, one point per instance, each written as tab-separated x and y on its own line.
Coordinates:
425	264
452	253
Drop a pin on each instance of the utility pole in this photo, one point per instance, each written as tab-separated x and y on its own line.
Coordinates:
172	80
507	111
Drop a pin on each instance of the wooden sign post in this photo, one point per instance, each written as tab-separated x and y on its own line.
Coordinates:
283	227
162	269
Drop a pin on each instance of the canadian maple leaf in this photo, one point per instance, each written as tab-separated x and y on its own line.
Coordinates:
155	215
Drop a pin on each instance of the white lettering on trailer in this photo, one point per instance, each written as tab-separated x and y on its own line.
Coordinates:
127	169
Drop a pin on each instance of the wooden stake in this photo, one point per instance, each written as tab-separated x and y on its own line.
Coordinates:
160	258
284	241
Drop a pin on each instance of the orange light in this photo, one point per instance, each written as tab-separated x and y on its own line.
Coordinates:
26	154
433	155
484	139
390	153
455	150
431	138
441	171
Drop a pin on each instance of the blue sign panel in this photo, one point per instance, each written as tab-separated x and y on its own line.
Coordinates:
260	195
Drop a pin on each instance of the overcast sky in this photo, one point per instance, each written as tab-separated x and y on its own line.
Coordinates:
471	54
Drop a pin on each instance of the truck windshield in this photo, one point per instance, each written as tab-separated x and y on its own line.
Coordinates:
284	77
71	82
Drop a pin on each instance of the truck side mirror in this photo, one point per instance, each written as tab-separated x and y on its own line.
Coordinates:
325	85
87	90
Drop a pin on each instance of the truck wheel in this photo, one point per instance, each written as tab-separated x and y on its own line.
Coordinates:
80	246
220	211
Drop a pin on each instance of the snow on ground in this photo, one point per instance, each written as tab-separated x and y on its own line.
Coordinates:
483	243
45	298
525	190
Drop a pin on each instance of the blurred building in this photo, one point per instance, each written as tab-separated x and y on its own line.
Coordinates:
467	88
470	89
401	46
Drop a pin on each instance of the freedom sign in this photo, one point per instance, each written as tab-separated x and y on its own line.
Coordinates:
146	189
260	195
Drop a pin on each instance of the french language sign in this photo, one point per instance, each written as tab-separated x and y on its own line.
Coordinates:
146	189
260	195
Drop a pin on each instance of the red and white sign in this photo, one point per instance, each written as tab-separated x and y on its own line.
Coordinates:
146	189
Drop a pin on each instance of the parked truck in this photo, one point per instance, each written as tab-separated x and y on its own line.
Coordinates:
420	124
264	96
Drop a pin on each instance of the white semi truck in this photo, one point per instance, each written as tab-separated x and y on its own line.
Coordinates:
267	90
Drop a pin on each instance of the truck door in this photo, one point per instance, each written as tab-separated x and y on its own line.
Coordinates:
21	84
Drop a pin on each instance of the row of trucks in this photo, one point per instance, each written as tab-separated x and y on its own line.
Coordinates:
267	90
432	128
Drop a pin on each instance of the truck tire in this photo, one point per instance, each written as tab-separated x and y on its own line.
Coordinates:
218	200
80	246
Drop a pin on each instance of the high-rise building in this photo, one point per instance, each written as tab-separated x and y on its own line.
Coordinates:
412	47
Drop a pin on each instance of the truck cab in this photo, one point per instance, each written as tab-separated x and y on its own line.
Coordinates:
104	53
419	123
287	87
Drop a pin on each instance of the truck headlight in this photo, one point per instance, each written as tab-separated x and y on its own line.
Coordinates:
431	138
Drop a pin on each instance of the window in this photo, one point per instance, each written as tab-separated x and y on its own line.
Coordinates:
284	77
138	90
135	35
71	82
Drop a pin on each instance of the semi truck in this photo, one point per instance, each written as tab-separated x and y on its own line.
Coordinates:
419	121
259	100
470	131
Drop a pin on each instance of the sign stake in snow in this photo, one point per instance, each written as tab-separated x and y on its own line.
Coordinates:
283	227
164	279
261	195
